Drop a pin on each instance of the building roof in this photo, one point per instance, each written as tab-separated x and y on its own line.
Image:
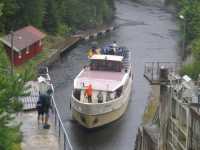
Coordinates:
107	57
23	38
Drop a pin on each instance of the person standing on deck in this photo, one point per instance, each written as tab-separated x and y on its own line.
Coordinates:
100	97
88	93
115	46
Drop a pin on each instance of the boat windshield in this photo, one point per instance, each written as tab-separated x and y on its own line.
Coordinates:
106	65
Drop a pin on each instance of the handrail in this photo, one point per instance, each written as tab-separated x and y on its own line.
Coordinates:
60	120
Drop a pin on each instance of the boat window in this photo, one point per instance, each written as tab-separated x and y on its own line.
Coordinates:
105	65
108	98
77	94
119	91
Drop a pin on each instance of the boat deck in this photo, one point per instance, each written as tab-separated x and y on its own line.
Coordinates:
111	80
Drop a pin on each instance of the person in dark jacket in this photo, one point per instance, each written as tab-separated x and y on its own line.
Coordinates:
46	106
40	110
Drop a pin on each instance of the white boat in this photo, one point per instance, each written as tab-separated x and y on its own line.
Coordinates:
111	77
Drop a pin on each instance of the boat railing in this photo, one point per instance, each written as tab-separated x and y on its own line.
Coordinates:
99	108
95	108
127	59
77	94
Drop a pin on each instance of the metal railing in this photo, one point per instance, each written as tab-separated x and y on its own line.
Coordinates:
62	133
152	69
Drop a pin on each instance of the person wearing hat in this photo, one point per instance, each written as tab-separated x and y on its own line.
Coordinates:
45	91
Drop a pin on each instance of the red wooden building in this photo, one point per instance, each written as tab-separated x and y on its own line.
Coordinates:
27	42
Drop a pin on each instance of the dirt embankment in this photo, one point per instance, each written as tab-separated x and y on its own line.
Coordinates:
152	106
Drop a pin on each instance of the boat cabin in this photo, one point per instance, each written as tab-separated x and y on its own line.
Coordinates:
107	77
106	63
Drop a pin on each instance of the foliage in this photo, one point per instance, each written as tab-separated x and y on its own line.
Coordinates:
190	9
1	7
196	49
50	21
64	30
11	88
9	10
30	12
192	70
49	15
10	138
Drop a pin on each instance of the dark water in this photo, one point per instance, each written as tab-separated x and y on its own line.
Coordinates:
151	34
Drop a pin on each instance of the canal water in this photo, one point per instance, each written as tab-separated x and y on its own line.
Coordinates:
151	34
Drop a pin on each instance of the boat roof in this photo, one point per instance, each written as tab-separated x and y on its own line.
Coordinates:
107	57
111	80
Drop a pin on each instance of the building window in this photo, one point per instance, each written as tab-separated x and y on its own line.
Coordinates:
27	50
20	55
40	43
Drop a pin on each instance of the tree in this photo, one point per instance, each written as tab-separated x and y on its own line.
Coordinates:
192	15
30	12
196	49
50	22
191	11
9	9
11	88
95	12
1	7
50	14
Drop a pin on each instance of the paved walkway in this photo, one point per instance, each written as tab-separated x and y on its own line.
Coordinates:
34	136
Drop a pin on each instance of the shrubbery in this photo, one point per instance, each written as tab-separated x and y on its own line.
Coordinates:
52	15
190	9
11	88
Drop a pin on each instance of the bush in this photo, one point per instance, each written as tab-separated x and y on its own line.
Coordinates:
10	138
191	10
192	70
64	30
196	49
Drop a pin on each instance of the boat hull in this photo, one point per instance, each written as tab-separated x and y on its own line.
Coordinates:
93	121
97	120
